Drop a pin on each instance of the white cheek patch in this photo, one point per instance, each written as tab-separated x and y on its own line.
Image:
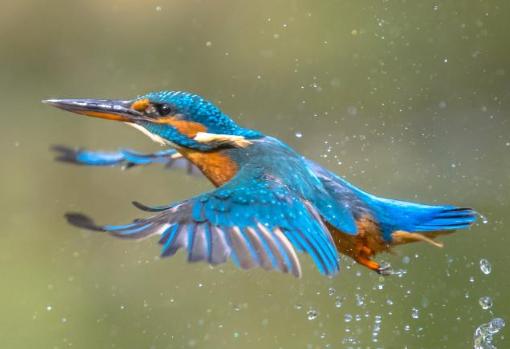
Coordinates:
152	136
236	141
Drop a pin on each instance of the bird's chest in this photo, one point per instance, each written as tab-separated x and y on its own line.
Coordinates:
217	166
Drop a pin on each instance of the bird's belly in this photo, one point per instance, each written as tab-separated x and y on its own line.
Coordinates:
365	244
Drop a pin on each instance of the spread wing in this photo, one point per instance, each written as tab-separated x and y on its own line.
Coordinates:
253	222
123	157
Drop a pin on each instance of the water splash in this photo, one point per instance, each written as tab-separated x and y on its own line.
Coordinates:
376	330
483	338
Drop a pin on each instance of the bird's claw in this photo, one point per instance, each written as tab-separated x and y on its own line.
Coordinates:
385	269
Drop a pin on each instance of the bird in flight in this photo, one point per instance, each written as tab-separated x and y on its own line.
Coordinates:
269	203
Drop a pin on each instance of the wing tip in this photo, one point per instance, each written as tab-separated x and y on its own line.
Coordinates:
65	153
80	220
142	207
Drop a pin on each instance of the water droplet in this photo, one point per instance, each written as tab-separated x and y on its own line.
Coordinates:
378	319
298	134
360	301
485	302
331	291
49	307
415	313
158	8
484	219
406	259
338	302
208	43
347	317
298	306
485	266
312	314
496	324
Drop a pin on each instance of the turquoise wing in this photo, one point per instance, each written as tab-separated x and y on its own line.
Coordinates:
124	157
254	223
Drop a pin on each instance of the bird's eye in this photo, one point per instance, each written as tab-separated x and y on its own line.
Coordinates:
164	109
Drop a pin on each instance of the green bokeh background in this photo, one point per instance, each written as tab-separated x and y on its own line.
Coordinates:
407	99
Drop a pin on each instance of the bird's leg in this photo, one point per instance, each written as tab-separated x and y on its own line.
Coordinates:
363	255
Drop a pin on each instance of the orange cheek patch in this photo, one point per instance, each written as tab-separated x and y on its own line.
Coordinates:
141	104
188	128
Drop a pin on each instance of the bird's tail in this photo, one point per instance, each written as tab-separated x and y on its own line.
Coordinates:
417	218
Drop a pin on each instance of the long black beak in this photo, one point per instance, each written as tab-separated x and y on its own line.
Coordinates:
100	108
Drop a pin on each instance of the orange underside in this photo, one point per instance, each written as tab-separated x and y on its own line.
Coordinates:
216	166
368	242
362	246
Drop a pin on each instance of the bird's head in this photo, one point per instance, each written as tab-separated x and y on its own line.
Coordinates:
180	119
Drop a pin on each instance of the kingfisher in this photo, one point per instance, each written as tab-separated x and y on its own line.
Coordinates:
269	203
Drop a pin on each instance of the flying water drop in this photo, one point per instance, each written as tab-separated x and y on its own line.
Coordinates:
312	314
485	266
485	302
338	302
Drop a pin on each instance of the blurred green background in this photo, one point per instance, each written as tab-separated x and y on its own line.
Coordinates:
407	99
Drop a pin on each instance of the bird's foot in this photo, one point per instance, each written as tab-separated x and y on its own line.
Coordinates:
385	269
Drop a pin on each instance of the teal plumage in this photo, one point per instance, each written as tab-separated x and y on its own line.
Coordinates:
271	203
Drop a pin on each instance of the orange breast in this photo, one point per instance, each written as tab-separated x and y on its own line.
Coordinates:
216	166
